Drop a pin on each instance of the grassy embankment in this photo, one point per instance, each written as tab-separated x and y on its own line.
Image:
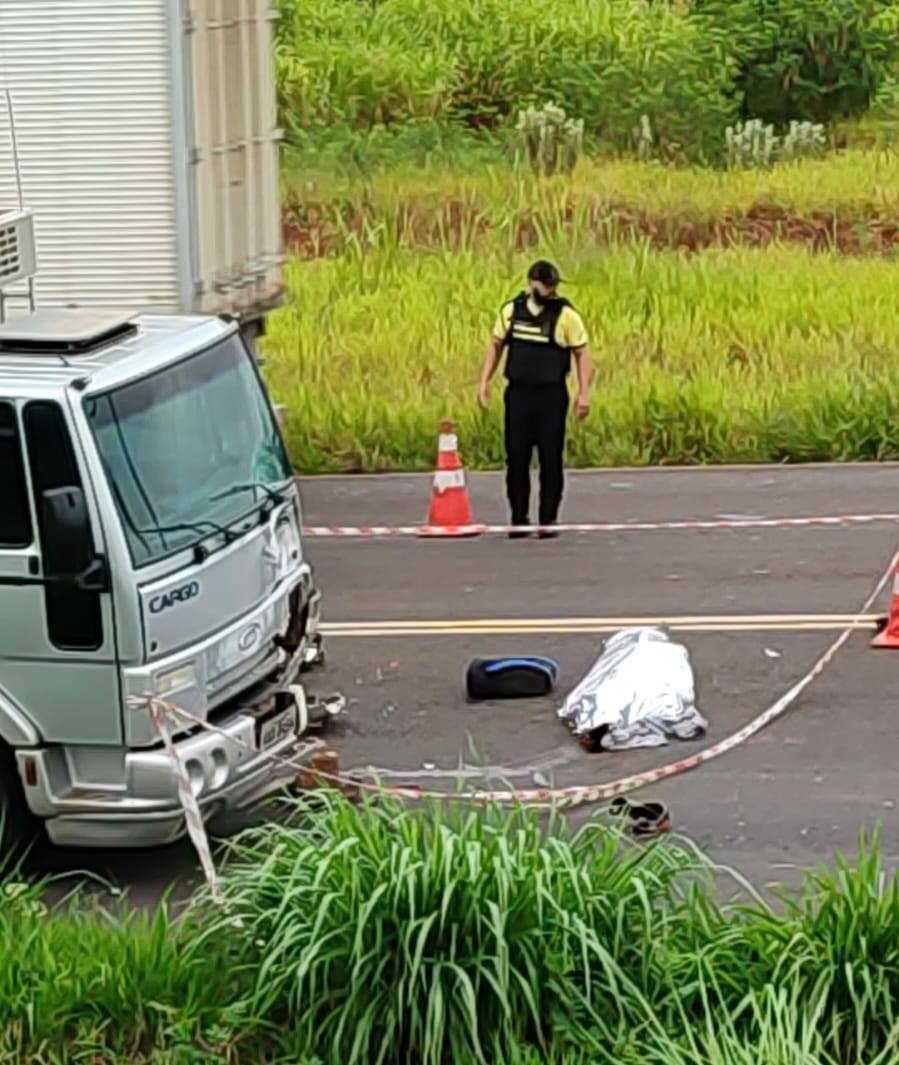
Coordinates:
378	934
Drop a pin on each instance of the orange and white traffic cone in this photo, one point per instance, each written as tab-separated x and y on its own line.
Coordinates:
888	636
450	513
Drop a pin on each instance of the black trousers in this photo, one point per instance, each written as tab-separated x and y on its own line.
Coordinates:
535	418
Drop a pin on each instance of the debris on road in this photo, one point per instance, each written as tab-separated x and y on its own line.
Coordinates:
321	708
771	653
639	693
322	770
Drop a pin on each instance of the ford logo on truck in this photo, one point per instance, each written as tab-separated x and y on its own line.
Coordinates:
177	595
250	637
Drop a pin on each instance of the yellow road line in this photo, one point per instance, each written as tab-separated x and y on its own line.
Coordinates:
669	619
521	626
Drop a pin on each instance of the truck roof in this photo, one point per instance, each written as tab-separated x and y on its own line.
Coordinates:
49	350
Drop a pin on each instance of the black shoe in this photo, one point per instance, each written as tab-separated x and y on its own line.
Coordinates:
547	533
519	534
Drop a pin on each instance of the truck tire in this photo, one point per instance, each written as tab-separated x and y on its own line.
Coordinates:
19	828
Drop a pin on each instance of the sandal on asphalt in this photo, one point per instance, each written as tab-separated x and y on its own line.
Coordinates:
644	819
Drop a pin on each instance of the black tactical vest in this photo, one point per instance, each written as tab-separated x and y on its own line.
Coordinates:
534	357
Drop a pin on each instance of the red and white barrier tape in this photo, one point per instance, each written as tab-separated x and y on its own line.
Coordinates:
193	818
578	795
385	531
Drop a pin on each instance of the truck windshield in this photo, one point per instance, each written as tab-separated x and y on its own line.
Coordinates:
188	450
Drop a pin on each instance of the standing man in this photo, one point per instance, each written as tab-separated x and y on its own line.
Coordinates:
541	331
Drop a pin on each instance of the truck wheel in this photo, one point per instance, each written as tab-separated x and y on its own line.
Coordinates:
18	825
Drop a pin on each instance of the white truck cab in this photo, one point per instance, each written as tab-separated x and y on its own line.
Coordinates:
149	544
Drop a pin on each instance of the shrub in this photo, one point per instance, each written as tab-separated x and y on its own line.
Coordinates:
480	62
837	943
337	65
751	144
84	985
441	934
803	140
805	60
444	933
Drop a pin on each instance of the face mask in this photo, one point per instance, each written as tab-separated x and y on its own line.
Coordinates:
539	298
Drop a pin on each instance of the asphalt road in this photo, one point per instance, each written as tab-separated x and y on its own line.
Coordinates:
783	801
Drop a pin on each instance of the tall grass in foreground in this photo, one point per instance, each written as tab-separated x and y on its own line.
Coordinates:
731	355
425	936
453	936
85	985
384	935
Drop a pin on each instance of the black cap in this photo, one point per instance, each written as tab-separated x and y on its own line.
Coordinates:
545	273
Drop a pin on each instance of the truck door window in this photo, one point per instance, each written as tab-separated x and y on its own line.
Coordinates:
74	616
15	520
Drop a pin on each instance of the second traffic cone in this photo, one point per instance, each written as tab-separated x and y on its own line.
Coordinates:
889	634
450	512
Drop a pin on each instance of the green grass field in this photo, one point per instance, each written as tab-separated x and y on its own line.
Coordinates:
856	183
724	356
736	316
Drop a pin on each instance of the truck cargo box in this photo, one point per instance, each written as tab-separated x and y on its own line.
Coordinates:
149	151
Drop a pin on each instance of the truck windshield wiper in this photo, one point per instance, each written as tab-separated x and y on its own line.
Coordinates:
274	496
192	526
181	526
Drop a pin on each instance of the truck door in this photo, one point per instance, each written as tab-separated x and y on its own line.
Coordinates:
57	642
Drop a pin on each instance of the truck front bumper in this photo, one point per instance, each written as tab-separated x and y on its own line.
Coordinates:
226	770
231	767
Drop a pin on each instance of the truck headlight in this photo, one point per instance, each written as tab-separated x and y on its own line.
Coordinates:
175	680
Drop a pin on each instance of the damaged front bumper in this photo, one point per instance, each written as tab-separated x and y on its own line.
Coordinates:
248	756
128	797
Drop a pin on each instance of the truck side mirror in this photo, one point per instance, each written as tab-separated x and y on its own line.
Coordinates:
67	542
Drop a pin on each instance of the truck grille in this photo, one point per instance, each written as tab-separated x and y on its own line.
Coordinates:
248	672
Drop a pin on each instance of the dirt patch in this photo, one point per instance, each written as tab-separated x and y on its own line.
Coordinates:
317	230
760	226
